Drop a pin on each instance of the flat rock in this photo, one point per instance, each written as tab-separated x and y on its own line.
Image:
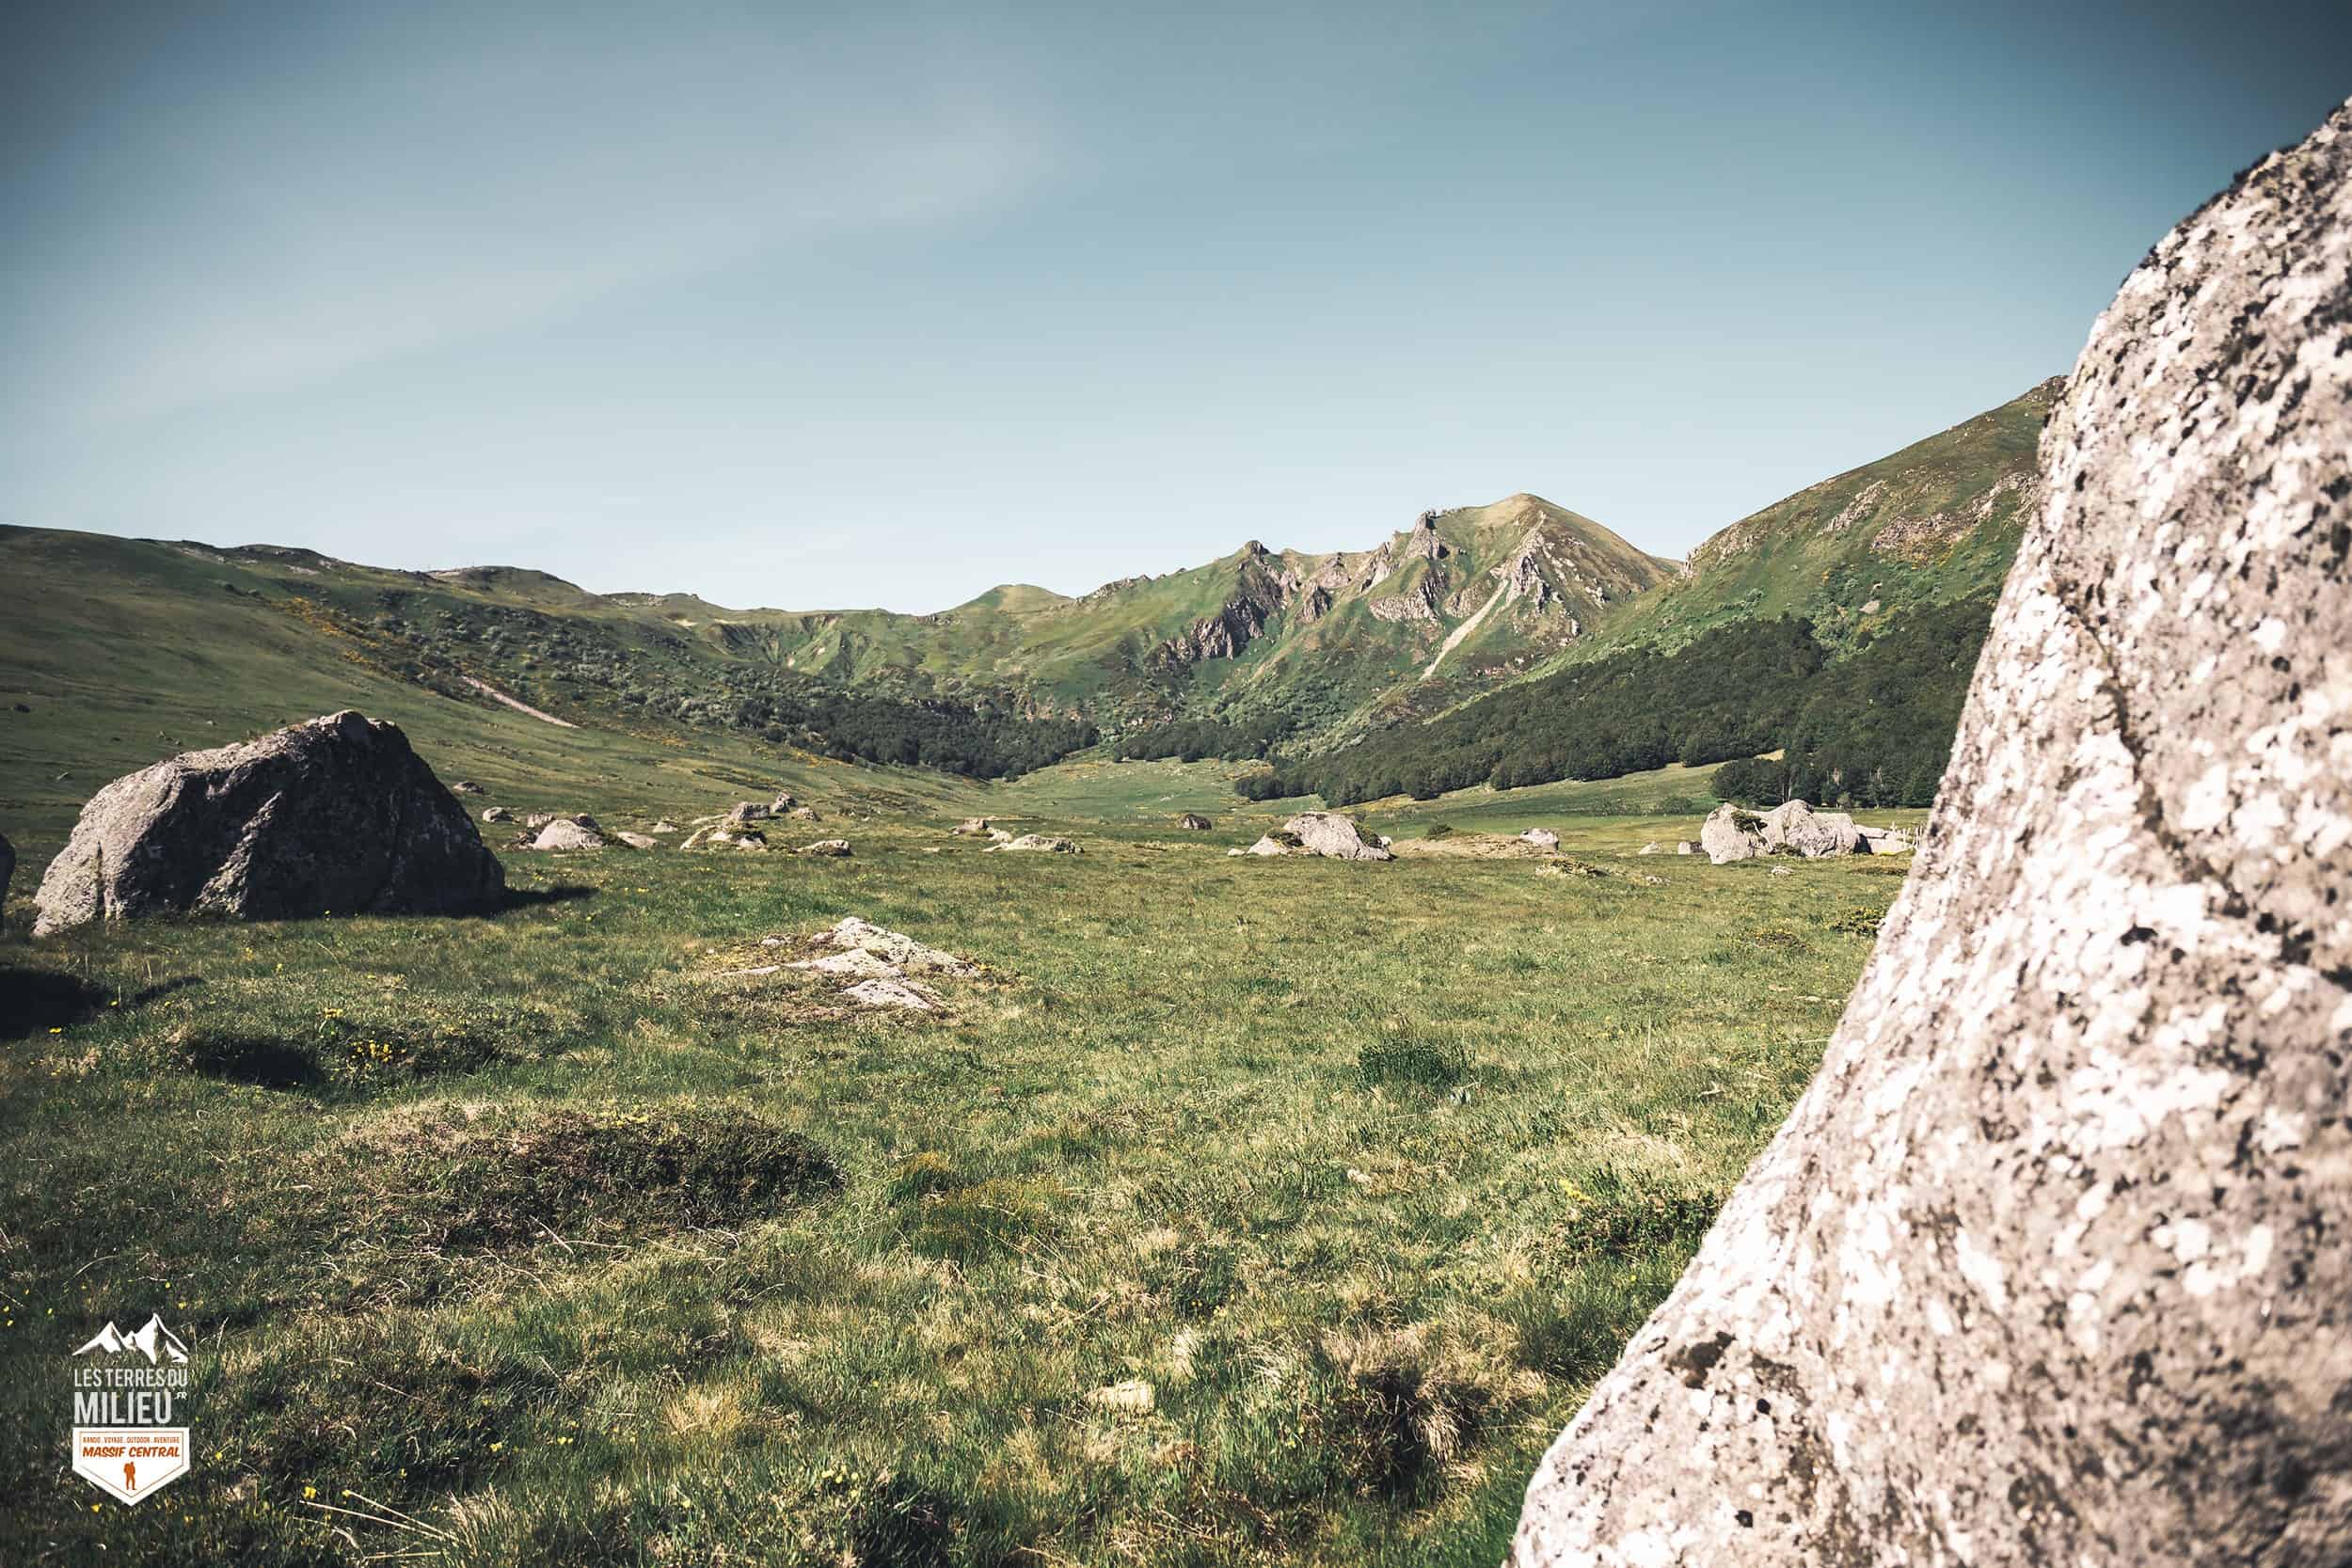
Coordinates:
835	848
335	814
856	962
1040	843
638	840
908	994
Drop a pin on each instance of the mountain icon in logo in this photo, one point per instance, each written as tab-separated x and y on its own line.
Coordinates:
151	1339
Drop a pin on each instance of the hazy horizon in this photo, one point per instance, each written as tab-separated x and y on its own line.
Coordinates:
784	309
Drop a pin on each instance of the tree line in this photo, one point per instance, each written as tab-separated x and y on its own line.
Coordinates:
1871	729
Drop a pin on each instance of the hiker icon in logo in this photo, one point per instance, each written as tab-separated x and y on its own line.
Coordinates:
123	1410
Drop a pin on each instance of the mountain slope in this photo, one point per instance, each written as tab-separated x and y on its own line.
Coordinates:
1938	520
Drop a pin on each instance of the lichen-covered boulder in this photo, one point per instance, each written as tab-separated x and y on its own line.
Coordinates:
2048	1265
1793	828
1731	834
333	814
1337	837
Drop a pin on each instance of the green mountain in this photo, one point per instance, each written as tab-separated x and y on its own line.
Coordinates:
1297	652
1838	627
1934	522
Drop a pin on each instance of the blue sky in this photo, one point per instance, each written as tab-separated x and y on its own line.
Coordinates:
821	306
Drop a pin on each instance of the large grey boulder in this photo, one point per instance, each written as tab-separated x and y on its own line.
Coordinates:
1793	828
335	814
1731	834
2048	1265
1338	837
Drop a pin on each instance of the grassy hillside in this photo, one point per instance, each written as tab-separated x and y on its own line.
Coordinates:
116	653
1239	1210
1935	522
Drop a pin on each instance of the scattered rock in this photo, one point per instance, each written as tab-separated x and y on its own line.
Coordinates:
664	826
1542	838
804	814
497	813
1731	834
1782	871
746	812
1651	848
465	787
999	835
1335	837
570	832
2048	1263
1042	843
971	827
638	840
539	819
748	839
1686	847
834	847
782	804
1193	822
336	813
1883	840
1793	828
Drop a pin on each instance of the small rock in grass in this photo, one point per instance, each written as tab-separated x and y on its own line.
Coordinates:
1132	1395
570	832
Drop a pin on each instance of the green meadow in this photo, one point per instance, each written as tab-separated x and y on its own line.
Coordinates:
1233	1210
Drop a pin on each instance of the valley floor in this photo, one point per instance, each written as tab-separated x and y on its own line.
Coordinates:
1237	1211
